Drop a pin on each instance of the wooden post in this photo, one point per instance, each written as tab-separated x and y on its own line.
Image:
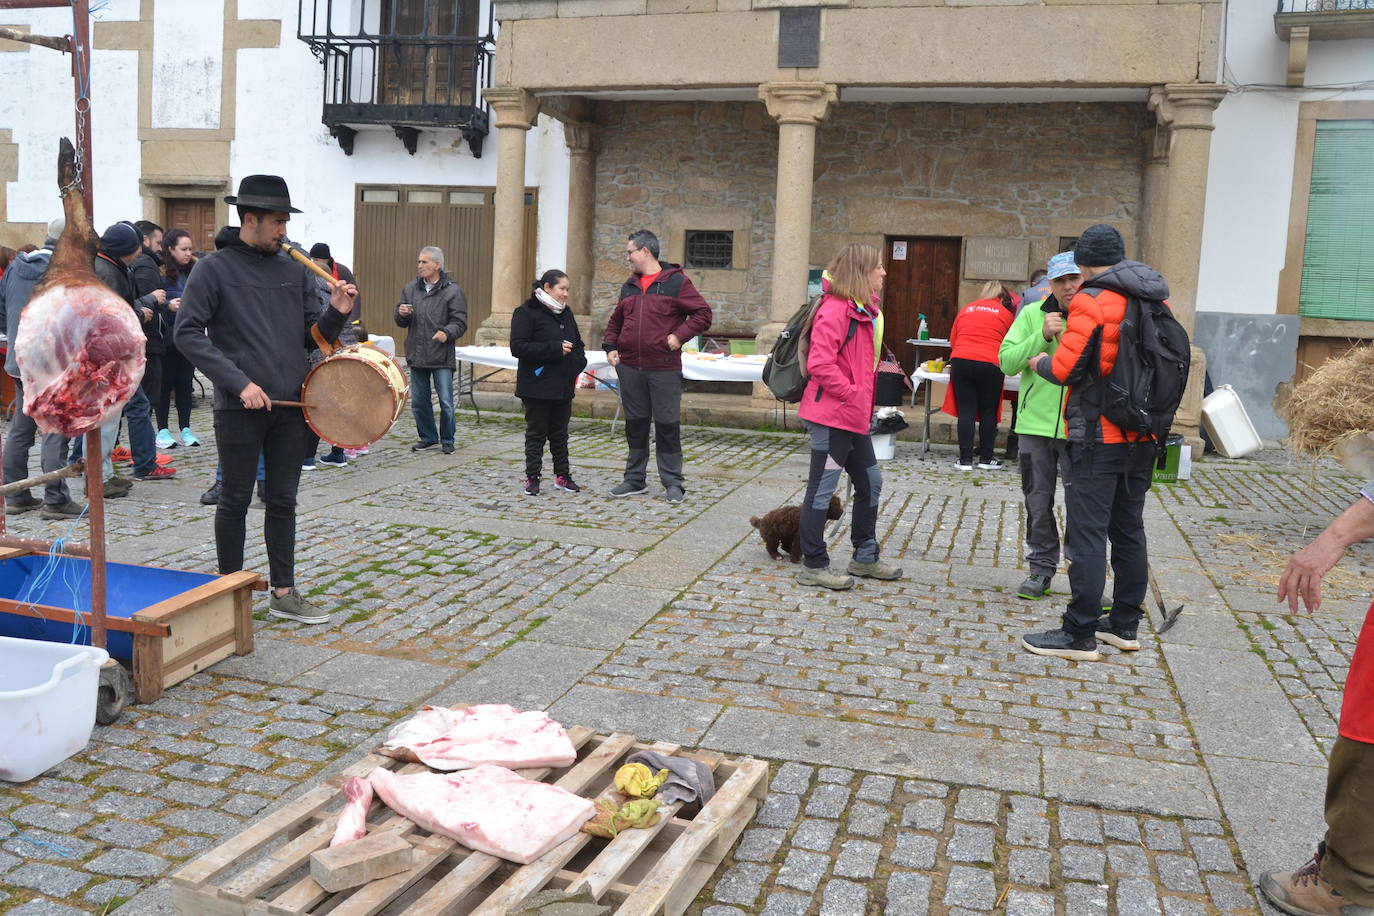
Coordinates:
95	502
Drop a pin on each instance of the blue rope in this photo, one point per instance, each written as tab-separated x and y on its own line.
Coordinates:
39	584
21	835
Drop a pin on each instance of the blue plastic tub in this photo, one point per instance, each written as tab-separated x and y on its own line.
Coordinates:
129	588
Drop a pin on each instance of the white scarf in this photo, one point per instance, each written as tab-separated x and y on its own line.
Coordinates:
553	304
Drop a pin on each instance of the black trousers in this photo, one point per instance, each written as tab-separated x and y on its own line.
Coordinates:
279	434
977	389
832	451
312	445
546	421
1104	500
152	378
178	379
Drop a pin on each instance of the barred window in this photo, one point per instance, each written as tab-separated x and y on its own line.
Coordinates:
709	250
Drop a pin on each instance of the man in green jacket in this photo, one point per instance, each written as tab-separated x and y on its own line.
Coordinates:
1040	418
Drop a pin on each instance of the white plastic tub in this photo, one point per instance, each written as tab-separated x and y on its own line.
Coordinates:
47	703
884	446
1228	424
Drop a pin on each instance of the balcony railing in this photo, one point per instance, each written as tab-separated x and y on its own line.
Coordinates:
1323	6
411	64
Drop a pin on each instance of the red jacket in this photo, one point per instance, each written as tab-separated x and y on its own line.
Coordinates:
639	327
978	331
841	369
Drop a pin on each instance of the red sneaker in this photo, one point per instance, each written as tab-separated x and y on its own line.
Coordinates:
159	473
164	460
121	454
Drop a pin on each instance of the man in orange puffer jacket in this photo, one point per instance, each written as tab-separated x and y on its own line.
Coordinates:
1109	469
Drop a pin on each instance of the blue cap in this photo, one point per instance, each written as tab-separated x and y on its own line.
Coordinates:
1061	265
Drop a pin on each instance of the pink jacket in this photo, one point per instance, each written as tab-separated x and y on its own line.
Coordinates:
839	391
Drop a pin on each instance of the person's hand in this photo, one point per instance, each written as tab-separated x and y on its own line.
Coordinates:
1036	361
341	297
1303	577
613	357
160	295
145	315
254	398
1054	324
440	336
674	343
174	304
567	347
404	309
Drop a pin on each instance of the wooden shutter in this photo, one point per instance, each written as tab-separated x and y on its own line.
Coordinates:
1338	257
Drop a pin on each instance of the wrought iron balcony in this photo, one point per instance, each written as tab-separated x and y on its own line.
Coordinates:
410	64
1325	19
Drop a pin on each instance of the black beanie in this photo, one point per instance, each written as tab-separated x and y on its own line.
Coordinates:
1099	246
321	250
121	239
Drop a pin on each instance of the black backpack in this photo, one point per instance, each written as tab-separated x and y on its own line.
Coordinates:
1146	384
785	371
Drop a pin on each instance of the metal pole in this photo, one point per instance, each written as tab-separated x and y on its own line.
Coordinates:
95	502
33	4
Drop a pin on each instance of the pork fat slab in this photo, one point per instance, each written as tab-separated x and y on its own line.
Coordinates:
490	733
353	818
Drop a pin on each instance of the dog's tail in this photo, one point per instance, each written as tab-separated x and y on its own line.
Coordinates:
756	522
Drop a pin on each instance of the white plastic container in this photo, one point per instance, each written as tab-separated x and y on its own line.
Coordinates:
47	703
1224	417
884	446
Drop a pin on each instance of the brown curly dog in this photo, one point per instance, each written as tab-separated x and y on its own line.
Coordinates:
779	528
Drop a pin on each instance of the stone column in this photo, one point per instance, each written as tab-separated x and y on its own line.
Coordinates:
513	111
580	137
1155	155
1185	111
798	107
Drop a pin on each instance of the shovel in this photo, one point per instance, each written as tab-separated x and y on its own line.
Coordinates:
1167	618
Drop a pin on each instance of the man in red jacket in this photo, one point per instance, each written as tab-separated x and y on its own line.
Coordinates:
659	310
1109	469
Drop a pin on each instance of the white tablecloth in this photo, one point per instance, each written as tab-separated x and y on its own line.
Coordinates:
1009	382
695	367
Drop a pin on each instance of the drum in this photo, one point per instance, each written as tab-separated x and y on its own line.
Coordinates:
354	396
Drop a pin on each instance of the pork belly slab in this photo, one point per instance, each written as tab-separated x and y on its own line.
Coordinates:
490	733
486	808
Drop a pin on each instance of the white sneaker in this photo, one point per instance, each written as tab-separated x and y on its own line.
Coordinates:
164	439
963	467
188	437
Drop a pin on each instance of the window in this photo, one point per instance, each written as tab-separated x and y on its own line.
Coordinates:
709	250
1338	255
1067	242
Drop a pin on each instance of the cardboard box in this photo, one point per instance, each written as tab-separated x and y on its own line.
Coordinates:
1178	464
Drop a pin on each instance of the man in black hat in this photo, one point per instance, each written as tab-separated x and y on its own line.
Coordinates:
245	321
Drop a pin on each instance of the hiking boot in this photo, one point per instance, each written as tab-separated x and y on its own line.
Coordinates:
63	511
875	570
164	439
824	578
188	437
157	473
992	465
675	494
626	488
531	486
292	606
21	503
123	483
421	446
1035	586
1306	893
112	490
211	496
565	482
334	461
1059	644
1125	640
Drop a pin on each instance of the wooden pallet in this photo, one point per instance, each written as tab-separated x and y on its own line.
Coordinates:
266	868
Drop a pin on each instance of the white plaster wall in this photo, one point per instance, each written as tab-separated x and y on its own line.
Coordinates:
188	63
547	167
1250	177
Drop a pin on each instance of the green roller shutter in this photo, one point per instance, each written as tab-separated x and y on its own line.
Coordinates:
1338	259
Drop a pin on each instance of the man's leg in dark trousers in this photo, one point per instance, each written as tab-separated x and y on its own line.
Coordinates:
537	414
283	448
1126	531
665	403
1040	460
239	437
560	413
634	399
52	452
1349	860
1089	489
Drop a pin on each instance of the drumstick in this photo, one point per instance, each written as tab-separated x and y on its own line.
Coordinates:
295	251
293	404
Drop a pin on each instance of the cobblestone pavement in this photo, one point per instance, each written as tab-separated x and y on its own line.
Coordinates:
921	762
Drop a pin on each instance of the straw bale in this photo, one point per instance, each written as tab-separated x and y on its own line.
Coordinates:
1334	403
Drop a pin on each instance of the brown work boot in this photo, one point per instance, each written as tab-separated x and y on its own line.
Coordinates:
1306	893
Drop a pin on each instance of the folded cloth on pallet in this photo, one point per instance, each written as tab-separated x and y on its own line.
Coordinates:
487	808
689	780
489	733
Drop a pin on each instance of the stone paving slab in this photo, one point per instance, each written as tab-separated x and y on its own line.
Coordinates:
601	616
1142	785
377	676
650	718
529	675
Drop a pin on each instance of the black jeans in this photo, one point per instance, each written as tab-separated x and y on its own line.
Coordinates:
977	389
546	421
279	434
178	379
834	450
1104	499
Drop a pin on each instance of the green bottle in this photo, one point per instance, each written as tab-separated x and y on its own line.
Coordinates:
924	332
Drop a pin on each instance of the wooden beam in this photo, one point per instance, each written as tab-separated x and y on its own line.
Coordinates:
66	615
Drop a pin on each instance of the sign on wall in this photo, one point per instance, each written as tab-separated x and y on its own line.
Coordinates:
996	259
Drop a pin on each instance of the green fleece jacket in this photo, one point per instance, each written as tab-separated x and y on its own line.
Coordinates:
1040	408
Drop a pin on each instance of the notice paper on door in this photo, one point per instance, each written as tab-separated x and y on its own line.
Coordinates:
899	251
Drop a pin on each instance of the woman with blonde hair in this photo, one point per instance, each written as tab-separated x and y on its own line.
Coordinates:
975	372
837	405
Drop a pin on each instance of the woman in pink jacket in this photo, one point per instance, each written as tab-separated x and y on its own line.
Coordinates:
837	405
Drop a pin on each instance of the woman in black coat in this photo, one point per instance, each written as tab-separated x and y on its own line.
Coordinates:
545	339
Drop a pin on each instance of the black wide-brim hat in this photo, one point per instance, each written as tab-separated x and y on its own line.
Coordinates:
266	192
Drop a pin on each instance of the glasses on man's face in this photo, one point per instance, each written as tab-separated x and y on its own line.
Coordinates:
630	251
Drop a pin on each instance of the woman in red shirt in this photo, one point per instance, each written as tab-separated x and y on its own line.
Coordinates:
975	376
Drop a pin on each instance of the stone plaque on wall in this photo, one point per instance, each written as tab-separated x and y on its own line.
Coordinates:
996	259
799	37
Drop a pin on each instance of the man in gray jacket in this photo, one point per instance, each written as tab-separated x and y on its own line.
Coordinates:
435	311
15	291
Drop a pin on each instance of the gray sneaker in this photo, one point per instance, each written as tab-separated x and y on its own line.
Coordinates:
824	578
1035	586
675	494
292	606
627	488
875	570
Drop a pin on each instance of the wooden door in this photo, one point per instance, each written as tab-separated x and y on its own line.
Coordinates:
197	216
922	279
